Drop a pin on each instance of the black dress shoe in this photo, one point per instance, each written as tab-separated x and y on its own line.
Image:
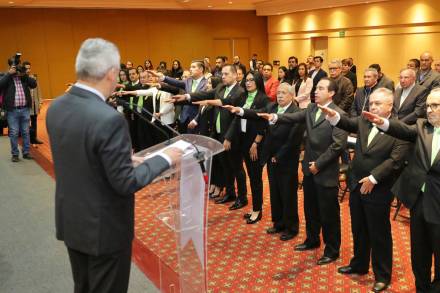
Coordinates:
379	286
326	260
258	218
285	236
27	157
247	216
225	199
15	159
274	230
306	246
348	270
238	204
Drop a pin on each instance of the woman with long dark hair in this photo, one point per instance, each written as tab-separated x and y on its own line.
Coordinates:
303	87
176	70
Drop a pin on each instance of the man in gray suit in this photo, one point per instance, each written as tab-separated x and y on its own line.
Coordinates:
409	98
95	174
427	77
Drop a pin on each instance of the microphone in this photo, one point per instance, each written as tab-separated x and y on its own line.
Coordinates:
200	156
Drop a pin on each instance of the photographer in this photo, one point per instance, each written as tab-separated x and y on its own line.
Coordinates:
17	100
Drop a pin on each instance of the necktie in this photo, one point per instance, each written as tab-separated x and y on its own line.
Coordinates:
217	121
434	147
250	100
372	134
318	114
131	103
140	103
280	110
194	85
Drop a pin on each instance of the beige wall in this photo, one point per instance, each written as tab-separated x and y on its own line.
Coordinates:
50	38
387	33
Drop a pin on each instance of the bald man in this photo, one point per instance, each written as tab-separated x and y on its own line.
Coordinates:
427	77
377	159
409	98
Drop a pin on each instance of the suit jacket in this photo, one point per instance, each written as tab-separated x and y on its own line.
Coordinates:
321	73
324	143
352	77
383	158
235	97
430	81
414	105
95	177
205	120
419	170
386	83
281	141
271	87
303	94
254	127
343	98
361	100
188	111
7	86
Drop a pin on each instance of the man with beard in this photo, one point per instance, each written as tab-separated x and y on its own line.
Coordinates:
418	188
292	72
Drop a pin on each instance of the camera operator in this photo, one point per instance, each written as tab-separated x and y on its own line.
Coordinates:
35	107
16	85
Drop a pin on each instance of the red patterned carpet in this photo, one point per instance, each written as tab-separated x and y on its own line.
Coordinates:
243	258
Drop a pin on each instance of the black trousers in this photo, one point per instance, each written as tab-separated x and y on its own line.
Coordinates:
100	274
33	129
217	177
425	242
371	229
321	210
255	174
283	186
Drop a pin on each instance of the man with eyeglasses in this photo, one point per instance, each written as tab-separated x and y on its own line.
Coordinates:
344	96
418	188
375	166
426	76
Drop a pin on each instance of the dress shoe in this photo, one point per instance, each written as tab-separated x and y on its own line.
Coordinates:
214	195
27	157
247	216
379	286
285	236
225	199
258	218
238	204
306	246
348	270
326	260
274	230
15	159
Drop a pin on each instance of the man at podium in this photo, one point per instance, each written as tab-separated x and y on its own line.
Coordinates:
95	175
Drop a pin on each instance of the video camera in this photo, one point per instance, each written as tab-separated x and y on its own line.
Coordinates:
16	61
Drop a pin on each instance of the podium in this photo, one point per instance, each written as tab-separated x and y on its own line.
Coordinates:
182	209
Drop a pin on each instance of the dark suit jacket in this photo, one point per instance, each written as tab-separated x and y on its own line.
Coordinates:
7	86
361	100
386	83
95	178
382	158
317	78
188	111
254	127
281	141
430	81
236	97
419	170
324	143
414	105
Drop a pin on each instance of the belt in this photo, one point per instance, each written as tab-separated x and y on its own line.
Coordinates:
20	107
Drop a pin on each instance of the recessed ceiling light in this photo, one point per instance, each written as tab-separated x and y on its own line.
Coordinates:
209	6
186	1
11	2
230	2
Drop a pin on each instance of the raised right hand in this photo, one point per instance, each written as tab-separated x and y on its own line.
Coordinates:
266	116
326	110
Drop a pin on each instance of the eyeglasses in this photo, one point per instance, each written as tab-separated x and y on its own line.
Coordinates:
333	68
433	106
250	79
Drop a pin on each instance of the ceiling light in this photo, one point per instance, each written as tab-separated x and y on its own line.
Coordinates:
186	1
230	2
209	6
11	2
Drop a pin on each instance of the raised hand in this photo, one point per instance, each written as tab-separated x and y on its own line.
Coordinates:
155	74
202	103
232	109
327	111
176	98
373	118
266	116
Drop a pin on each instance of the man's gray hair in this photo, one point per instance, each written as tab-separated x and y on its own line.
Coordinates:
337	62
290	88
372	70
411	71
386	94
95	58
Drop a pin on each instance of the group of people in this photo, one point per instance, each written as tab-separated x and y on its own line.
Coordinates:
311	110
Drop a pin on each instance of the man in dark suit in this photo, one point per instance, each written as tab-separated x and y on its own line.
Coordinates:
382	79
229	92
427	77
377	160
418	188
197	82
95	176
410	98
361	97
323	146
17	100
316	75
281	149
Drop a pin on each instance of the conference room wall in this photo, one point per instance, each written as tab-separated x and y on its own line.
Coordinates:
50	38
387	33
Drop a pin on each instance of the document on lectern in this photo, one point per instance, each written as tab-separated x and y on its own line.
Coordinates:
182	145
